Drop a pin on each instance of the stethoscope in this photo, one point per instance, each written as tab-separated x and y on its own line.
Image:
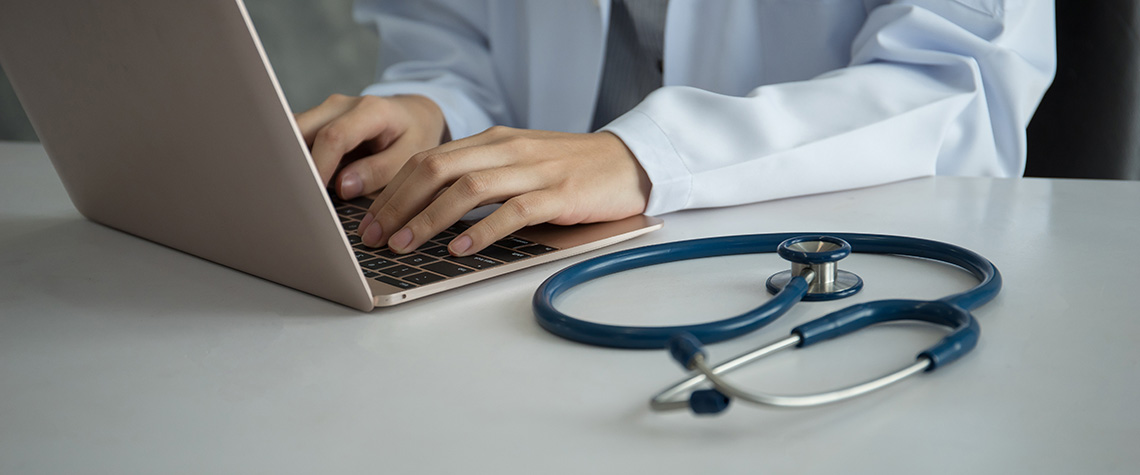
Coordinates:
813	276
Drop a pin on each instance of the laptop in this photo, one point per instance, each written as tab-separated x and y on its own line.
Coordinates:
165	120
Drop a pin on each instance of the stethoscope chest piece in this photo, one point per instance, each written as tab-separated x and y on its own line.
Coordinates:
815	259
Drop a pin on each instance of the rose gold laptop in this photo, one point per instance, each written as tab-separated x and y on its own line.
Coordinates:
165	120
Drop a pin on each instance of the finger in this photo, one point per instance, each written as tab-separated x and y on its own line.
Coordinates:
369	230
365	121
467	193
376	171
524	210
310	121
418	183
484	138
368	174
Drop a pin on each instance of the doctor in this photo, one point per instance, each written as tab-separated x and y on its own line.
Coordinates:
498	102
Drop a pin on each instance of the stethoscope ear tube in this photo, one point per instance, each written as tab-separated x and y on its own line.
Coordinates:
963	337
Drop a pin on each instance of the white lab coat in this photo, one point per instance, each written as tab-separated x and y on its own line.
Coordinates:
763	99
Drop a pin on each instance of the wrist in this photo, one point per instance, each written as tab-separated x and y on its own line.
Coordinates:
639	178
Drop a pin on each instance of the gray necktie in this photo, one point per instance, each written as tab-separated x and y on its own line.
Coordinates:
633	64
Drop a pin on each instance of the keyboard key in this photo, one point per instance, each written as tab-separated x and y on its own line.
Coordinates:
449	269
505	255
458	228
443	236
350	226
377	264
438	251
475	262
362	256
369	274
366	250
395	282
362	202
433	244
353	239
399	271
386	253
346	209
536	249
417	260
423	278
513	242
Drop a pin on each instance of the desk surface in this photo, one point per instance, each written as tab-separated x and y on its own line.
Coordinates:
121	356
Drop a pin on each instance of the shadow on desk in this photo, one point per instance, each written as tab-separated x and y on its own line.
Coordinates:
79	265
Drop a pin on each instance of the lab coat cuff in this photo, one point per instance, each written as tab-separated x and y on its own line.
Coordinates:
463	116
672	182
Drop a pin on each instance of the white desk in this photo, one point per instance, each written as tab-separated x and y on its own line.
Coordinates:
121	356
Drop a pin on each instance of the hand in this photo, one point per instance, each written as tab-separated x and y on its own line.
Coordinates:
539	177
370	136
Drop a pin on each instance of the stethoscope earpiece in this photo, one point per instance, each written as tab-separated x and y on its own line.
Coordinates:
687	351
708	401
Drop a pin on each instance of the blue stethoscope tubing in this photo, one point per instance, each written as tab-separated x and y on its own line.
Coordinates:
639	337
684	341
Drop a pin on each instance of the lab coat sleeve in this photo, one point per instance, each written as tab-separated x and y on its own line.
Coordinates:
438	49
933	87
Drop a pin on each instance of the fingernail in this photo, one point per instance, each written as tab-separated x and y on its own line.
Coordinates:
364	222
460	245
401	240
350	186
371	236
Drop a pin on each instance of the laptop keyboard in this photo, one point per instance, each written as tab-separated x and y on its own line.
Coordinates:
431	262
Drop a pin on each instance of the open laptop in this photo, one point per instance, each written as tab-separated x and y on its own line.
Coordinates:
165	120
